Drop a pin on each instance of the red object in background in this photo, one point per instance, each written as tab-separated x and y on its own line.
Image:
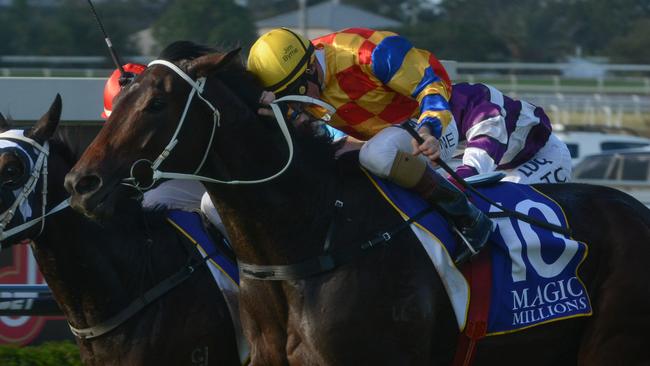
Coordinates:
18	266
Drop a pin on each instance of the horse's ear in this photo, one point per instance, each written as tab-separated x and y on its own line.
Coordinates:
4	124
45	127
208	64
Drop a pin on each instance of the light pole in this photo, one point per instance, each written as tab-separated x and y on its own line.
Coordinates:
302	17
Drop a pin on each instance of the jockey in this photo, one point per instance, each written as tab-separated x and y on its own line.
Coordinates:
375	80
174	193
512	136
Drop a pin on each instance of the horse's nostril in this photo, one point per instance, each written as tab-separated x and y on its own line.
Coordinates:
87	184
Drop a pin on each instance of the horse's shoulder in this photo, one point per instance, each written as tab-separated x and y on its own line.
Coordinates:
348	163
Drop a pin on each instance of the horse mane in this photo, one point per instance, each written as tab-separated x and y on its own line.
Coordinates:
71	141
317	148
185	50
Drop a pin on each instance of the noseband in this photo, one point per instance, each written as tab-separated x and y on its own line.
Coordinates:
197	89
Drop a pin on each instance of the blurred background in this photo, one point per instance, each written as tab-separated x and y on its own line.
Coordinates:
586	62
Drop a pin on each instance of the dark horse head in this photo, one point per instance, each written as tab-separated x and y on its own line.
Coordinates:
145	117
99	274
23	172
386	307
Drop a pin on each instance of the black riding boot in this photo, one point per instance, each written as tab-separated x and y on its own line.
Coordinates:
473	225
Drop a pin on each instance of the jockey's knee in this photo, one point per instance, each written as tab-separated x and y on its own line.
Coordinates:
175	194
378	153
210	212
551	164
407	170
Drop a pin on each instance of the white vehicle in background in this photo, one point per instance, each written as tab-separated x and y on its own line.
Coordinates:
589	140
626	170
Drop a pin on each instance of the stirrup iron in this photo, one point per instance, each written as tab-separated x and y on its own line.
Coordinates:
464	255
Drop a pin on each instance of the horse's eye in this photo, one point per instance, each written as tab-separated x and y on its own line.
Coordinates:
11	171
156	105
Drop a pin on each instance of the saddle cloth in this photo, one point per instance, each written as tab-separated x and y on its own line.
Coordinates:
223	269
534	271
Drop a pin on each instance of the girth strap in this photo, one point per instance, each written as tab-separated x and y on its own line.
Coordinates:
327	261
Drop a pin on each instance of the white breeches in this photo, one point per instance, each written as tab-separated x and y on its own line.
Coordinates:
189	195
551	164
378	153
175	194
208	209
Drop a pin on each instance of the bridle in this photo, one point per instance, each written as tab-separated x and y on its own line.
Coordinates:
197	89
39	168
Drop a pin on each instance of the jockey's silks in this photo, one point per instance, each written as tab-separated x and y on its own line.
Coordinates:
496	127
375	79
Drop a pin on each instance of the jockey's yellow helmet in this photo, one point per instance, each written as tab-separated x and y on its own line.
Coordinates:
279	58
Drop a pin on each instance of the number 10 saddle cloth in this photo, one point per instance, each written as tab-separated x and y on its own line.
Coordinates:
532	272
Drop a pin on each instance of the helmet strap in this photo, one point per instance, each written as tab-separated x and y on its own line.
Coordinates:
301	84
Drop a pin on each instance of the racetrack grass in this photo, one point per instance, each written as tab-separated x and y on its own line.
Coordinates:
641	83
637	122
64	353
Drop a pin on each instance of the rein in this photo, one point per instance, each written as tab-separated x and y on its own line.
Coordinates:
197	89
505	212
40	168
140	303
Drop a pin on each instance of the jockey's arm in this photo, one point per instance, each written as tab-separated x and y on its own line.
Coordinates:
430	147
487	140
480	156
414	77
348	143
265	100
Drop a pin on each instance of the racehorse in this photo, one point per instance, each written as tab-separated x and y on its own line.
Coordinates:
98	271
387	307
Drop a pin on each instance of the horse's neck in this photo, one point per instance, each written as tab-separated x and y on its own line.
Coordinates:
93	271
287	220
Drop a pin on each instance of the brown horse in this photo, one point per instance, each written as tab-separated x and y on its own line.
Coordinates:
387	307
95	271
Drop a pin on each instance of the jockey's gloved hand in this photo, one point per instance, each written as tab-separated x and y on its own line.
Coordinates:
126	78
266	99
